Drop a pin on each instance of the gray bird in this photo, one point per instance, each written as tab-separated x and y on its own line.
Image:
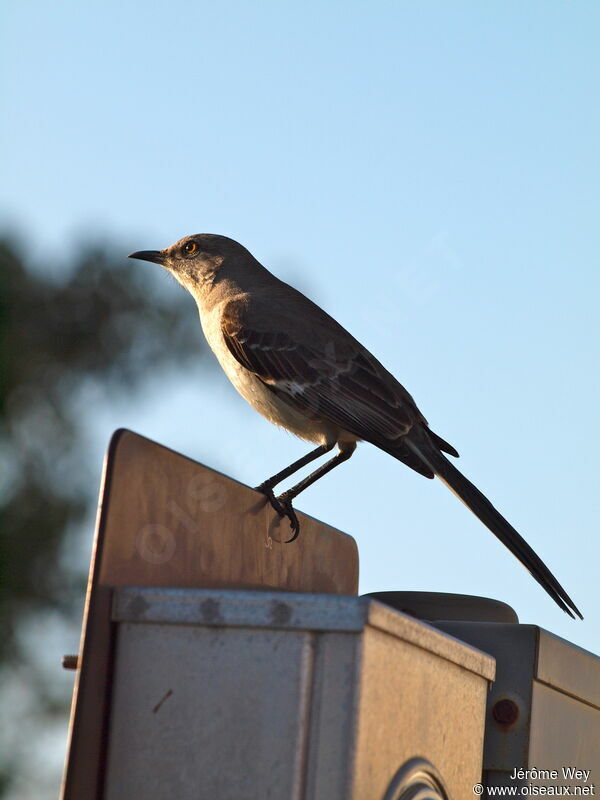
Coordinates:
303	371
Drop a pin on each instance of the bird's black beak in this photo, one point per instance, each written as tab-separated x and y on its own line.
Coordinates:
157	256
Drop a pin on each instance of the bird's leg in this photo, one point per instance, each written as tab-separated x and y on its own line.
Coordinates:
284	509
266	487
285	499
342	456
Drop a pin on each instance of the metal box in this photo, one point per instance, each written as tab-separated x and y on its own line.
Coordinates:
250	695
543	720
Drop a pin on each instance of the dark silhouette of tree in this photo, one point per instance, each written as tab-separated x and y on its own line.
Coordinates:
99	321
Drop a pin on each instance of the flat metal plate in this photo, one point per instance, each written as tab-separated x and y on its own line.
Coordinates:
170	521
165	520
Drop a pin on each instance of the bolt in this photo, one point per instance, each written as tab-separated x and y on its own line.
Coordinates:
505	712
70	662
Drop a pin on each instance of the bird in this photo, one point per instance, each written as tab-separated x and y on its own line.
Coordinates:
299	368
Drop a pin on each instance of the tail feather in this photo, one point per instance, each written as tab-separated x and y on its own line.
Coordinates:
492	519
442	444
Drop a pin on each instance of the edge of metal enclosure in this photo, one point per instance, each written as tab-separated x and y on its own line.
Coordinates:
290	611
528	652
568	668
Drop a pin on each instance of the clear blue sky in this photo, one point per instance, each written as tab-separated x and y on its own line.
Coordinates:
428	172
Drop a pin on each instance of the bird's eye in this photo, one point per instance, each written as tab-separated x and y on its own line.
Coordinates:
189	248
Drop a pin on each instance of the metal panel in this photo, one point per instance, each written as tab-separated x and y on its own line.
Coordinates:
415	704
554	685
227	608
564	733
568	668
427	636
170	521
206	712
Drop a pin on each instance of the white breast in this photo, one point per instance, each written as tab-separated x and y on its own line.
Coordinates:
255	392
238	375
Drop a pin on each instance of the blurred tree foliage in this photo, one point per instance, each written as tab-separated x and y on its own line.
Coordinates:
100	321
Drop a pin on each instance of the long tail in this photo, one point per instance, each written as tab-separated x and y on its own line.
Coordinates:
470	495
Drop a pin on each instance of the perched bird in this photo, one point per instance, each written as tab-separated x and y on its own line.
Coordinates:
303	371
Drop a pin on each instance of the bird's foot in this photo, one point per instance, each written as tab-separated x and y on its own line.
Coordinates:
268	492
288	511
283	506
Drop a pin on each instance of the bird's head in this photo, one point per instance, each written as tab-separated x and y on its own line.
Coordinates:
197	261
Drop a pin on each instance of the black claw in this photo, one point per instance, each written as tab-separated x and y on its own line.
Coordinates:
283	506
288	511
294	522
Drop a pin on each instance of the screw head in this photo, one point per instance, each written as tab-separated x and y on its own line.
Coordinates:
505	711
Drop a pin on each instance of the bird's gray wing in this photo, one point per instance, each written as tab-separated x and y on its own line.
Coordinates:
322	370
